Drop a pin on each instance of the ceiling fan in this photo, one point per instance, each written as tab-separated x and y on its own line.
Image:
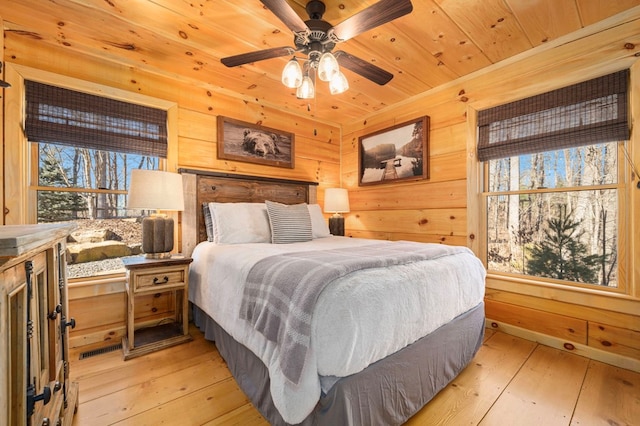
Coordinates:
316	37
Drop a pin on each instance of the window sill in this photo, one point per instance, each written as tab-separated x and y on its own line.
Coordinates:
80	288
594	298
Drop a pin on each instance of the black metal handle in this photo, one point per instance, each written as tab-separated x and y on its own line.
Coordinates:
45	396
158	282
53	315
71	323
32	398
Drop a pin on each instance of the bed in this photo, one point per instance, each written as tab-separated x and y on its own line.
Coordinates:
355	345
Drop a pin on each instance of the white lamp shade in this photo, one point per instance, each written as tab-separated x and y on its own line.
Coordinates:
155	190
336	200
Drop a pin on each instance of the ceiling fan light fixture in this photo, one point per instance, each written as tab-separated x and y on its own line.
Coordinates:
327	67
292	74
338	84
316	38
306	89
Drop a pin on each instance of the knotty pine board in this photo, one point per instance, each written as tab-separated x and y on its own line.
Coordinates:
610	395
208	370
470	395
544	392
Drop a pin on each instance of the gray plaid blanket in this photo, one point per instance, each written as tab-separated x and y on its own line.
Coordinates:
281	290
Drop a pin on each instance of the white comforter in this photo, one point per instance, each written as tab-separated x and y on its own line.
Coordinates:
359	319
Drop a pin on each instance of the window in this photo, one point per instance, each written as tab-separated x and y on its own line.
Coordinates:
86	147
554	183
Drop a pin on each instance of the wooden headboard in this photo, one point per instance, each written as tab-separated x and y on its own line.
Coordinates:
205	187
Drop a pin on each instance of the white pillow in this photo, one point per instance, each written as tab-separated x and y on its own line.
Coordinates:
238	223
319	226
289	223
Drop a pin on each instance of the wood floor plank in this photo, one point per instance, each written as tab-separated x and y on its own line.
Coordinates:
136	399
106	384
468	397
190	384
609	396
196	408
104	363
543	392
246	415
488	332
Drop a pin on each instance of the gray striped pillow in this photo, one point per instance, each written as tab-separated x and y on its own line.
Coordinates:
208	222
289	223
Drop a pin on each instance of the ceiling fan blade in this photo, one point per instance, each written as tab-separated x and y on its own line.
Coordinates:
375	15
362	67
286	14
260	55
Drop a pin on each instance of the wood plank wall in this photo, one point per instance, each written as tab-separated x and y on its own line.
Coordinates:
446	208
99	308
2	177
442	209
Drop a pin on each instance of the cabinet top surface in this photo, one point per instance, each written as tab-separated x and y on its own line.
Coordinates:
18	239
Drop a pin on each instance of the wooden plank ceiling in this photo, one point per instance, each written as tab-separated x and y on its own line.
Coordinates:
441	40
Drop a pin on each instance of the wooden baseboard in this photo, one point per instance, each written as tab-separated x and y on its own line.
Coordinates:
576	348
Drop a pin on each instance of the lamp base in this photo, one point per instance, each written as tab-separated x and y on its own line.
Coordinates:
157	236
336	225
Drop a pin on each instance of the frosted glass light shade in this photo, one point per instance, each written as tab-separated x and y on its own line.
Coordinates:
336	200
292	74
327	67
306	89
338	84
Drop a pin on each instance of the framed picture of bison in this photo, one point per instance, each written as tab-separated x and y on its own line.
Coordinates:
253	143
396	154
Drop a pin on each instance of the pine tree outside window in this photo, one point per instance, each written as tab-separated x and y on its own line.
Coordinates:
554	184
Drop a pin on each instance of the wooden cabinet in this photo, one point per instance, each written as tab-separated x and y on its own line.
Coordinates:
155	276
33	327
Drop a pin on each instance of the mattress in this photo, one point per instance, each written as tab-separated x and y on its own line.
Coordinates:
359	319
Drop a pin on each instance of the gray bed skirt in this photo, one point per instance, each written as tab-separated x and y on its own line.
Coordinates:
387	392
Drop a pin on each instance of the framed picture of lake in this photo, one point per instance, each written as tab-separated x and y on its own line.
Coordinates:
396	154
252	143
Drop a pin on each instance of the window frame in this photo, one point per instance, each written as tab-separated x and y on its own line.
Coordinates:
34	155
623	214
21	193
561	297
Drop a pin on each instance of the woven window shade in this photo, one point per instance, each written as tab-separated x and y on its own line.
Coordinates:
594	111
66	117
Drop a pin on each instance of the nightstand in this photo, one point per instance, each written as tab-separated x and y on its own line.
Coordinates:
150	276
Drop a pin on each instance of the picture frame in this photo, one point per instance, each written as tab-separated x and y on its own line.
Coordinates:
395	154
253	143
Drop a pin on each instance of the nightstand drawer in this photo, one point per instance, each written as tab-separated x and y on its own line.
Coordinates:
160	279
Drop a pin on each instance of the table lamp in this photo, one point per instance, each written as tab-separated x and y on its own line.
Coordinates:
336	201
156	190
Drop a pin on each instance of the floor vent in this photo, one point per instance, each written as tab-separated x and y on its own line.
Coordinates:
100	351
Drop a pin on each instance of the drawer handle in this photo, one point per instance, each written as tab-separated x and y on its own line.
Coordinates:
158	282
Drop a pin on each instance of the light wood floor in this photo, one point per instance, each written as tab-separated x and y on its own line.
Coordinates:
511	381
